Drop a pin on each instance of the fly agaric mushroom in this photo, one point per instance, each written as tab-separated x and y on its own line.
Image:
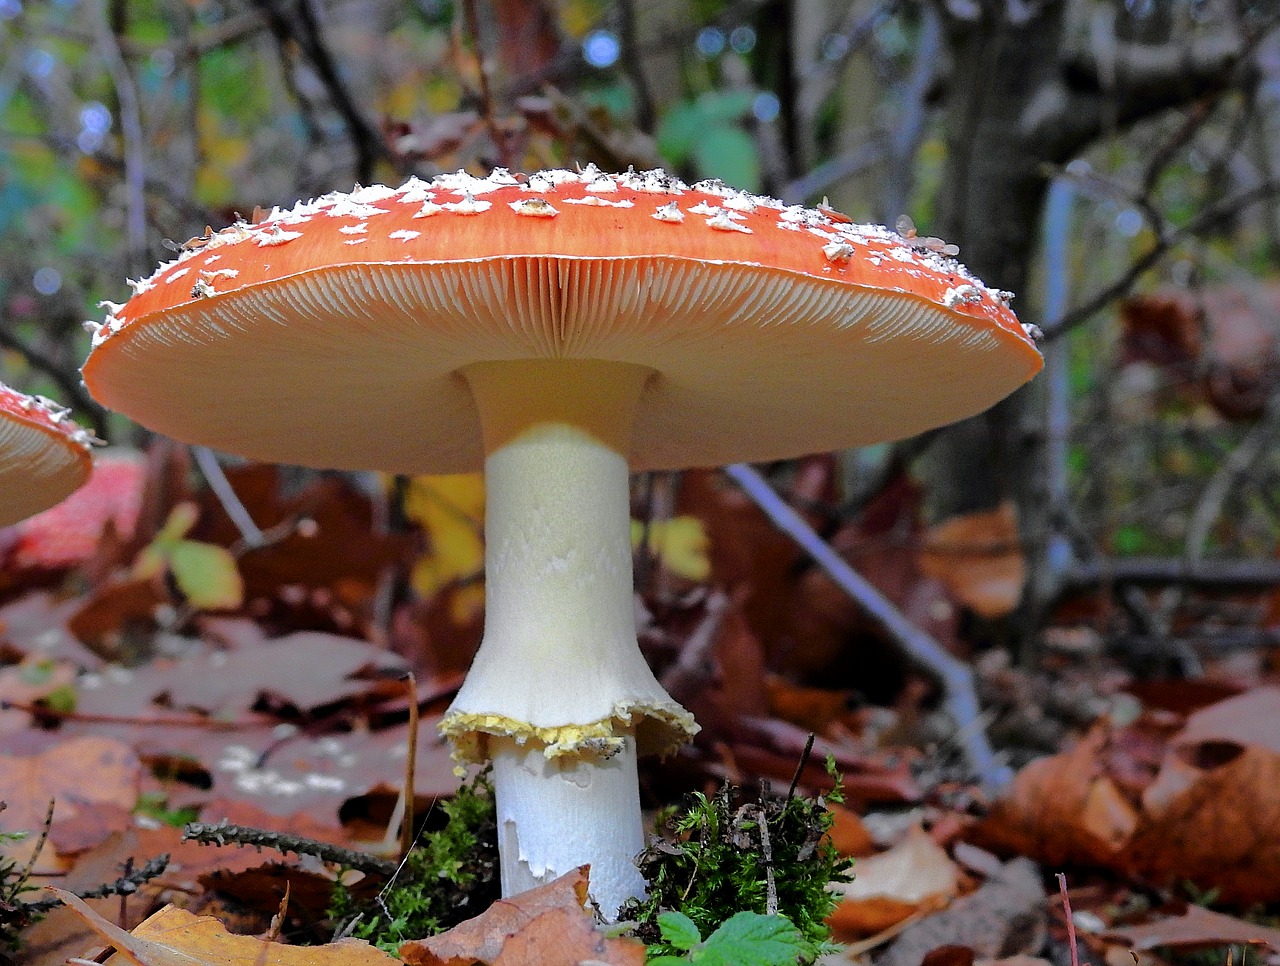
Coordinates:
68	534
559	330
44	456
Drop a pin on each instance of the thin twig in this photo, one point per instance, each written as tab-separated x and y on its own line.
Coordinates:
1153	571
804	760
1071	923
500	145
123	912
237	27
126	885
1258	441
367	141
954	675
1209	218
225	833
410	768
250	533
45	827
135	157
766	848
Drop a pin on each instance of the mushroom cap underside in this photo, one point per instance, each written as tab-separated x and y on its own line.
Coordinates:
764	344
44	456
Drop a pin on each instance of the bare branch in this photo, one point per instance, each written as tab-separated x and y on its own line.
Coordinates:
250	533
1148	79
302	29
135	158
954	675
500	144
1209	218
646	112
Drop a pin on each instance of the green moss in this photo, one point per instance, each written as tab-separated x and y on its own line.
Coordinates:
724	855
15	915
450	875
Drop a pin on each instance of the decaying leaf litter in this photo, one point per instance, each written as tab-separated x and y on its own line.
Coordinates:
127	717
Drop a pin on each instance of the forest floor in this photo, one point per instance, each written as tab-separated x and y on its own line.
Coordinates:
164	667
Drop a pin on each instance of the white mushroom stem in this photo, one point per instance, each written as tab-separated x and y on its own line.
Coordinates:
559	695
555	814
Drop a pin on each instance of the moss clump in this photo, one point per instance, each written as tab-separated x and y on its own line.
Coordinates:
724	855
15	915
449	876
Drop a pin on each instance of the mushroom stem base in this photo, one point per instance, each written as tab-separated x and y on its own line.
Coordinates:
553	812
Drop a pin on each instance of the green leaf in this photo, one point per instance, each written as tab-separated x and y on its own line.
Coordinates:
149	563
679	930
667	961
728	153
752	939
206	575
678	131
62	698
181	519
725	107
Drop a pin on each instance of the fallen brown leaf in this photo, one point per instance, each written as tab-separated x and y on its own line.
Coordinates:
978	558
848	833
915	875
546	926
1062	809
174	937
1196	927
1223	830
85	776
811	708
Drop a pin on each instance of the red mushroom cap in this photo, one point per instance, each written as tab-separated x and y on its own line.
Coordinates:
331	334
44	456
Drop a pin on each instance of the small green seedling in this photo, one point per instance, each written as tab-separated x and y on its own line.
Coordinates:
206	574
745	939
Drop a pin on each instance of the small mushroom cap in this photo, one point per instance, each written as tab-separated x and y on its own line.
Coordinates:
332	334
68	534
44	456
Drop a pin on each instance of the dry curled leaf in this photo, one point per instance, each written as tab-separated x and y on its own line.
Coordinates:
93	780
916	875
1222	831
174	937
1197	927
1062	808
546	926
978	558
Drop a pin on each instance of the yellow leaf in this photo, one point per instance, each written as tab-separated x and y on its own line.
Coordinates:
181	519
680	543
175	937
207	575
450	510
